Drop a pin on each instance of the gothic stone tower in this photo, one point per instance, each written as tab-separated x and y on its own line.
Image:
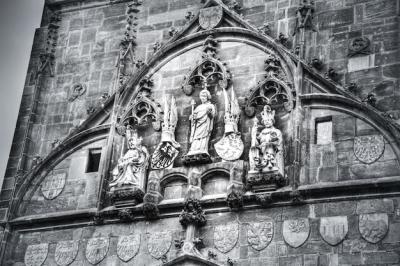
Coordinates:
189	132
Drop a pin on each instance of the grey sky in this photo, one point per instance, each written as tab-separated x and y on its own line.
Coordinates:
18	20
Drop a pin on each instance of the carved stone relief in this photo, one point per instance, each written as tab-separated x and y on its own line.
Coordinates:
66	252
35	255
373	227
152	197
260	234
128	246
368	149
359	45
168	149
77	90
159	243
96	249
52	185
333	229
226	236
210	17
296	232
231	146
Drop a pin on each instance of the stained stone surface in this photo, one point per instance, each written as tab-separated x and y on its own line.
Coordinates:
86	51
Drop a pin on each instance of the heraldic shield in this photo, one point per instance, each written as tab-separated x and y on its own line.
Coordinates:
128	247
333	229
296	232
159	244
210	17
53	185
66	252
35	255
259	235
368	149
226	236
96	249
373	227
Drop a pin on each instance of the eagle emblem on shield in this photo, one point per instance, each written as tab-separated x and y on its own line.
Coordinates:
159	244
333	229
96	249
35	255
210	17
53	185
260	234
296	232
368	149
373	227
128	247
66	252
226	236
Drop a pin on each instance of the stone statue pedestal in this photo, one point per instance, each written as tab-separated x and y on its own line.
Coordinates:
265	181
198	158
126	195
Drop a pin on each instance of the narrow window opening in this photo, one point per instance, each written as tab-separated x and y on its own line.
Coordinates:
93	161
323	130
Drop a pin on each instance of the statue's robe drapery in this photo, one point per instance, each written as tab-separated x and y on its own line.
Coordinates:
130	168
202	126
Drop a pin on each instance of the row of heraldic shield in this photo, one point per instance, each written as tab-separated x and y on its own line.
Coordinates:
333	230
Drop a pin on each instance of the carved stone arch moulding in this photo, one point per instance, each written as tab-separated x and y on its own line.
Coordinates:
142	111
210	71
275	90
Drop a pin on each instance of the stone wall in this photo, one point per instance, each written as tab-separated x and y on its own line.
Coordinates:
353	250
57	101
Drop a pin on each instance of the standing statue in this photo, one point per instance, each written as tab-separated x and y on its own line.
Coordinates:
129	174
266	152
230	147
202	120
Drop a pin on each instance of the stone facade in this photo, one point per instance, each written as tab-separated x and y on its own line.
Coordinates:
101	69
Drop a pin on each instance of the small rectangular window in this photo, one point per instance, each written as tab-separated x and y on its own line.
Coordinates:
93	161
323	130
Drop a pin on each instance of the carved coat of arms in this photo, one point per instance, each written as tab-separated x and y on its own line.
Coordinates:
373	227
128	247
369	149
35	255
226	236
333	229
96	249
210	17
66	252
52	185
159	243
260	234
230	147
296	232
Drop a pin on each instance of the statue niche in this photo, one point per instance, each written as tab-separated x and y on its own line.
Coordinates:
202	120
128	176
266	154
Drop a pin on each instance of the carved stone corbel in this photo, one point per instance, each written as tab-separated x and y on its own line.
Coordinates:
152	197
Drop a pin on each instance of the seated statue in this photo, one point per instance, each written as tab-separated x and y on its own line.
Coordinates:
266	151
131	168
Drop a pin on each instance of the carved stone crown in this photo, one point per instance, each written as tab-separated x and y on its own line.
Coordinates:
268	113
132	137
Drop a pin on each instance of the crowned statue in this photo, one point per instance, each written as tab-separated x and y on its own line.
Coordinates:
129	174
202	120
266	151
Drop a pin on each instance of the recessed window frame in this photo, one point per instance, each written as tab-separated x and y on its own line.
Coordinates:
93	160
320	120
